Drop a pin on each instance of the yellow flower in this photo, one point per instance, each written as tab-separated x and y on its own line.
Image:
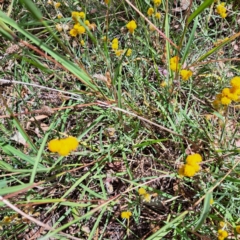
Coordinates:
81	15
221	10
119	52
146	197
131	26
73	32
129	52
126	214
187	171
150	12
238	229
72	143
157	2
77	15
63	146
115	44
141	191
222	234
158	15
222	224
225	92
57	5
225	101
174	63
87	23
79	28
194	158
115	40
235	82
82	42
54	145
211	201
185	74
64	150
107	1
59	16
59	27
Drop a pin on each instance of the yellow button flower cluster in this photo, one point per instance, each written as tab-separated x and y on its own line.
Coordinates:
78	29
228	94
221	10
117	51
63	146
185	74
174	63
115	44
222	234
131	26
126	214
146	196
192	165
157	2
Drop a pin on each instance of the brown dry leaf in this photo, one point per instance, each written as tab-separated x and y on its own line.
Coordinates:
33	119
17	137
184	4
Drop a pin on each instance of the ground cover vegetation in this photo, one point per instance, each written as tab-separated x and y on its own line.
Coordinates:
119	119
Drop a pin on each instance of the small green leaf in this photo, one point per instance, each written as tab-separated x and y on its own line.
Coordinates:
205	211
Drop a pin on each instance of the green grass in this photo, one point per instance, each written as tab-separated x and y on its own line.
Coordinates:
136	122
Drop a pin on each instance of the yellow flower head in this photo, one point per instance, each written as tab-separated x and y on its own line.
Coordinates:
157	2
63	146
174	63
129	52
82	43
141	191
238	229
158	15
225	101
147	197
72	143
235	82
119	52
187	171
73	32
57	5
222	234
54	145
106	1
221	10
77	15
150	11
59	16
131	26
211	201
185	74
87	23
194	158
115	44
126	214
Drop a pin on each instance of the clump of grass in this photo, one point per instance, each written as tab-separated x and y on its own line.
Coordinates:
153	155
